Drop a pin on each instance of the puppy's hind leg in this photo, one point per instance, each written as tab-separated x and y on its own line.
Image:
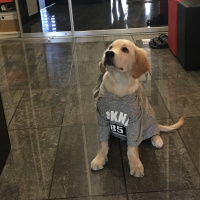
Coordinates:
157	141
100	160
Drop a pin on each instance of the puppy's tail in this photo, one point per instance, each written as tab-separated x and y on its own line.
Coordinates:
172	127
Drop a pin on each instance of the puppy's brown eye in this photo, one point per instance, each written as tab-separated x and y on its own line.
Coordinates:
125	50
110	47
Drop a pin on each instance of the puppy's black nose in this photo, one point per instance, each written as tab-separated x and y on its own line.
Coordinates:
109	54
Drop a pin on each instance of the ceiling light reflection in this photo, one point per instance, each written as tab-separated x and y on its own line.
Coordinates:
147	8
48	21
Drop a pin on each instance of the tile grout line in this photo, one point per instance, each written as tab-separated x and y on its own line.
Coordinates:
24	92
83	129
171	118
1	68
61	127
27	88
123	170
147	192
54	164
178	130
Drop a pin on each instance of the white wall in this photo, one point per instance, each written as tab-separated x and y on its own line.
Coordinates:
32	7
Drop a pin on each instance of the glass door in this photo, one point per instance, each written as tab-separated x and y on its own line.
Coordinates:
44	16
92	17
117	14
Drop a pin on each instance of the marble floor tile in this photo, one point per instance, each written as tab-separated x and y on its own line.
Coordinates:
33	48
81	105
89	39
12	41
180	85
172	195
165	66
72	175
55	59
29	168
190	134
2	78
58	53
169	168
47	89
28	53
6	50
155	99
49	75
48	47
40	108
62	50
16	75
2	62
89	51
88	104
195	74
11	100
89	72
3	59
181	96
73	109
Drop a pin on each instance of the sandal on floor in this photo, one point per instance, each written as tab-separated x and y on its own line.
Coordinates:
157	43
163	37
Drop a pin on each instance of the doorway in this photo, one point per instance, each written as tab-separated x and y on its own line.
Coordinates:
91	17
44	16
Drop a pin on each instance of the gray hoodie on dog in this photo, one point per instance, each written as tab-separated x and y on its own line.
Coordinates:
129	118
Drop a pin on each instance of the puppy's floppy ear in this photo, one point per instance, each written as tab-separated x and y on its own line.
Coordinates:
141	64
102	68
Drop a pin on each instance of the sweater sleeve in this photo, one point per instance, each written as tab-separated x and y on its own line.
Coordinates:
103	125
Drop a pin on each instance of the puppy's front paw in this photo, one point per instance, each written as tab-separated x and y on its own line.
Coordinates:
98	163
137	171
157	141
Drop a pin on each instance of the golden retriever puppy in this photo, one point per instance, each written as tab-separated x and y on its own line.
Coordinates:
122	107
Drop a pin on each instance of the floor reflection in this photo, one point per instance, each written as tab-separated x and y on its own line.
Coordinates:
48	21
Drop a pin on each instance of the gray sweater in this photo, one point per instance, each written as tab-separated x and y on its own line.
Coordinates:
129	118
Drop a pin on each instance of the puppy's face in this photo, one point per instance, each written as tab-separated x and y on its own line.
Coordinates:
124	57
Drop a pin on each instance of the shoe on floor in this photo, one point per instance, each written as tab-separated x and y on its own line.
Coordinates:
160	42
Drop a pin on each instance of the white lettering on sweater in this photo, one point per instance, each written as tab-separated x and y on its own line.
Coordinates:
116	116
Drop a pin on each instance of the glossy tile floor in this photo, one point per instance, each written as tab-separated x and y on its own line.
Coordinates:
50	112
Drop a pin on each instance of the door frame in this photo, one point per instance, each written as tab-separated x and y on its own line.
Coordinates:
88	33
